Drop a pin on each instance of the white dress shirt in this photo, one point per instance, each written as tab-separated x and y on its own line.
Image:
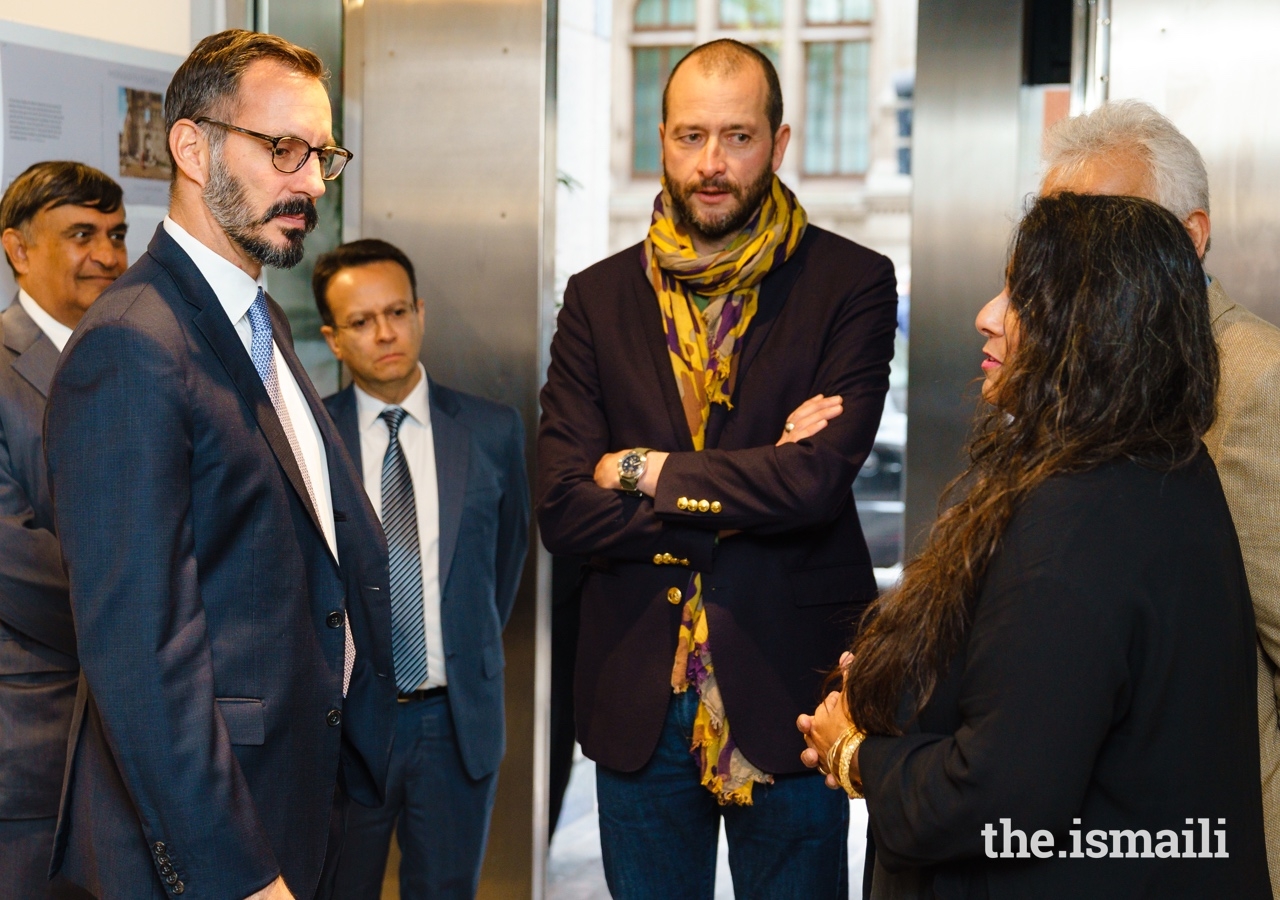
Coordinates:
236	291
54	330
418	444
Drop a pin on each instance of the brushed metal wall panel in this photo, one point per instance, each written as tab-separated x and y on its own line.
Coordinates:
451	99
965	166
1212	67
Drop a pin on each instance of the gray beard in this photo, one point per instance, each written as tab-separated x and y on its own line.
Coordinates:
224	196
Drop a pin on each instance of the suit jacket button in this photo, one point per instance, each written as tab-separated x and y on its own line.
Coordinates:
703	506
715	506
334	619
334	717
178	888
682	503
674	596
171	878
657	559
158	846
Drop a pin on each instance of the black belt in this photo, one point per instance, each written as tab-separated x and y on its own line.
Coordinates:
424	694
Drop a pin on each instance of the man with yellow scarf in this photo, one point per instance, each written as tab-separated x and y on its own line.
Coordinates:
711	396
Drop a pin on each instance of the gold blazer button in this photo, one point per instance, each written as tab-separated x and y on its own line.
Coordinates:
674	596
703	506
715	506
682	503
657	559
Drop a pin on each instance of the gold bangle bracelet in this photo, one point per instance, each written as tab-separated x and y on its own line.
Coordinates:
833	754
849	747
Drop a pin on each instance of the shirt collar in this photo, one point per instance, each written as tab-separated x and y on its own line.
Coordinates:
368	407
57	333
232	285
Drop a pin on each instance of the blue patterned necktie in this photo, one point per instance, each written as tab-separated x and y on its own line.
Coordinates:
262	352
400	523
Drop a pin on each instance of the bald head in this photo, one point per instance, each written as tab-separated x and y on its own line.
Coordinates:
725	58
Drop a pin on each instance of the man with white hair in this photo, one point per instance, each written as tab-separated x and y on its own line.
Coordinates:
1129	148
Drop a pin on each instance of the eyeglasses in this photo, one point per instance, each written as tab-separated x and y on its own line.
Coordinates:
289	154
398	316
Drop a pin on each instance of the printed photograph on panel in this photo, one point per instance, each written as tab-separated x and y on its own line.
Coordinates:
142	138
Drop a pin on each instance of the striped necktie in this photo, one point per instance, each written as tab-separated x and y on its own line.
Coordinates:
400	523
262	352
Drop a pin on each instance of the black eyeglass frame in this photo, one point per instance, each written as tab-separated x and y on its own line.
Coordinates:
341	152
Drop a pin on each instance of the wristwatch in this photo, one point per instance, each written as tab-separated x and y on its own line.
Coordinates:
631	468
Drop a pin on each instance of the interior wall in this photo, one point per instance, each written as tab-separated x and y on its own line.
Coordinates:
163	25
1211	65
965	202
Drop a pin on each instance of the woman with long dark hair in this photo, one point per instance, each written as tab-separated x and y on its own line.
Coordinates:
1059	698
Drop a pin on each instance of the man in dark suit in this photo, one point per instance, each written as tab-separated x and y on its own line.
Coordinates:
63	228
446	473
228	577
677	448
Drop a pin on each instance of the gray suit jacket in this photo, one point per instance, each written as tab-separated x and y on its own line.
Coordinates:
484	535
1245	445
38	668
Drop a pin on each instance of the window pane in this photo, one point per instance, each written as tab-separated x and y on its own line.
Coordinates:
652	65
824	12
855	119
680	13
820	110
650	13
750	13
771	51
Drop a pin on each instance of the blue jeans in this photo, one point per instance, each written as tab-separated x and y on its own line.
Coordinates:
659	828
439	813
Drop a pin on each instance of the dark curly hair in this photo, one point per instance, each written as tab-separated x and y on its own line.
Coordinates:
1115	359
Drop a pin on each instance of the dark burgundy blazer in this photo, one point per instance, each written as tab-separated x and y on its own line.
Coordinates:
783	596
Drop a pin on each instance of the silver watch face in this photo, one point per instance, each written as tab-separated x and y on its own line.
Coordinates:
631	466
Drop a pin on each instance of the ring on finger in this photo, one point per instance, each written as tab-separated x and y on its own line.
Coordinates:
789	427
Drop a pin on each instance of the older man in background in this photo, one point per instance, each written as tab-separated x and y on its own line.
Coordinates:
1128	148
63	228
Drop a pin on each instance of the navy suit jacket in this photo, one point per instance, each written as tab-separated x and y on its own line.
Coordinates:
210	729
38	668
484	535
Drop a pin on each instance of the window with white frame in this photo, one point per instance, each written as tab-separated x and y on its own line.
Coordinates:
821	48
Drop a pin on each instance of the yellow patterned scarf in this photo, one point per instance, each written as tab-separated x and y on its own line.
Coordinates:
703	345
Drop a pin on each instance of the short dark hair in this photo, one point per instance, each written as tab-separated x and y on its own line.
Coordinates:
209	78
47	185
723	57
364	252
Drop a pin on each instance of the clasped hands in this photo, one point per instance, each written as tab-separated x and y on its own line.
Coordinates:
822	729
807	420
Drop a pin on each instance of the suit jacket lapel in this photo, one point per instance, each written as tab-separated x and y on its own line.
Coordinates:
655	337
36	357
346	419
217	329
774	291
452	442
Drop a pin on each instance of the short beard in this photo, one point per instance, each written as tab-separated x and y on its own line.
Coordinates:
224	196
713	228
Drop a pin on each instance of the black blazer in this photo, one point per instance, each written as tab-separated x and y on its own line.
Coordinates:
210	727
782	597
484	535
38	668
1109	678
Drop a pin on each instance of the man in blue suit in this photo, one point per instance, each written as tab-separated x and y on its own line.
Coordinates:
228	577
446	473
